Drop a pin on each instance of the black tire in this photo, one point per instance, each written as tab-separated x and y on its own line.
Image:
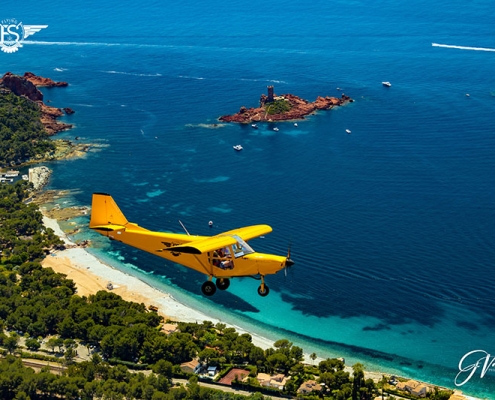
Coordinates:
265	292
208	288
223	283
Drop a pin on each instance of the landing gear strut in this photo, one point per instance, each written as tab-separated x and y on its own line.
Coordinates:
263	289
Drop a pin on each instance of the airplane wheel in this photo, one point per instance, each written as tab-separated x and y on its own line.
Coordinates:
223	283
265	292
208	288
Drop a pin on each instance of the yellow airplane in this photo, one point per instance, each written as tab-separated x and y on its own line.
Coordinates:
223	256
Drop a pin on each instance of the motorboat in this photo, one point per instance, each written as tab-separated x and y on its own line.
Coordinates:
295	124
387	84
348	130
254	126
238	147
276	129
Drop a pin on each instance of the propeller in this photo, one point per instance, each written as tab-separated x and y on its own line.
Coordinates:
288	261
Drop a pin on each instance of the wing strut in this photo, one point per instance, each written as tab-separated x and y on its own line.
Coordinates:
180	222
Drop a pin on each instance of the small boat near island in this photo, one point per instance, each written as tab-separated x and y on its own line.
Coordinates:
295	124
238	147
387	84
254	126
348	130
276	129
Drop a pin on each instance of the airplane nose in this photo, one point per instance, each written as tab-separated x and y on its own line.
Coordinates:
289	262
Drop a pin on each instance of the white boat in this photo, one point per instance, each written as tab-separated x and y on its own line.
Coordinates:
295	124
254	126
276	129
348	130
238	147
12	174
387	84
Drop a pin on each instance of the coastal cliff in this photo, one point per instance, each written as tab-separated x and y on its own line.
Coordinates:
35	122
40	81
27	86
284	108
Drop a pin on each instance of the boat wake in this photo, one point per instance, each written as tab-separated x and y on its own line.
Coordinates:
451	46
129	73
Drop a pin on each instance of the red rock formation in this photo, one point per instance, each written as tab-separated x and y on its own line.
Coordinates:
39	81
299	109
49	117
22	86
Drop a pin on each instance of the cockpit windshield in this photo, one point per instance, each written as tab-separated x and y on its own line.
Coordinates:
241	247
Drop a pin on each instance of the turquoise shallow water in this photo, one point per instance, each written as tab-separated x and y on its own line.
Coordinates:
391	227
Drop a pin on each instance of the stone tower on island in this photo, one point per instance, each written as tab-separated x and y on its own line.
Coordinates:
267	99
270	93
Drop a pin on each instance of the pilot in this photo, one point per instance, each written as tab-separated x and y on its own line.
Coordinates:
223	259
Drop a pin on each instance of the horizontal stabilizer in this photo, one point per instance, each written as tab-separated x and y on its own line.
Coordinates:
108	228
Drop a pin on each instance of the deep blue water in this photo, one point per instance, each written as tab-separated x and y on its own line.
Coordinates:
391	227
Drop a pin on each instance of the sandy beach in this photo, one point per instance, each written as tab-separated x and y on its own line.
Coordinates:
91	275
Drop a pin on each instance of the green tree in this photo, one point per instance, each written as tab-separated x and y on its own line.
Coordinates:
33	344
52	343
357	380
11	342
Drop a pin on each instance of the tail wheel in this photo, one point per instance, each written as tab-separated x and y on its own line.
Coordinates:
263	290
208	288
223	283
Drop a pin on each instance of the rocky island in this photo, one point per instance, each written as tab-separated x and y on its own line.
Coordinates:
284	108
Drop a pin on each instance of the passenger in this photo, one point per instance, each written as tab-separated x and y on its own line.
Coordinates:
216	259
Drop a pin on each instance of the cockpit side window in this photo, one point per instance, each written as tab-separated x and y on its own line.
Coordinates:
241	247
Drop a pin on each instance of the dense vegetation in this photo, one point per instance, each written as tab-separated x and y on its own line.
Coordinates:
23	237
277	107
22	136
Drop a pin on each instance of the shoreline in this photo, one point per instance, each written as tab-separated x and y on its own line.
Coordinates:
90	274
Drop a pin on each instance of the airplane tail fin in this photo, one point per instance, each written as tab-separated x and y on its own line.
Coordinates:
105	212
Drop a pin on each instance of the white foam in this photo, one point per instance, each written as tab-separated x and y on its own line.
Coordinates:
451	46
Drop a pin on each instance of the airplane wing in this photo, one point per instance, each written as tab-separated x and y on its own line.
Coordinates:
225	239
204	245
250	232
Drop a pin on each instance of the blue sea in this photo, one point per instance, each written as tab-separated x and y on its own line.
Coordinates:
391	227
